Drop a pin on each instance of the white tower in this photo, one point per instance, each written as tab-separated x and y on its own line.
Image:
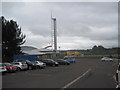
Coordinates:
54	34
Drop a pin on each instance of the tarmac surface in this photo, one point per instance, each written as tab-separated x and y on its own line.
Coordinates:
85	73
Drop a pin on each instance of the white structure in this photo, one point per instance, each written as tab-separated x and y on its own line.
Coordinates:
54	33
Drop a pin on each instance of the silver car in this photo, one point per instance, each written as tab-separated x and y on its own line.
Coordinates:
40	64
20	65
106	59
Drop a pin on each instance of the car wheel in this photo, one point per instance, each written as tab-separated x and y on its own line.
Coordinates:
38	67
56	65
53	65
3	73
42	67
18	69
30	68
68	64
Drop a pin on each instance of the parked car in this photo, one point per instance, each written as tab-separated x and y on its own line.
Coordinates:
10	67
2	68
71	60
20	65
40	64
62	62
106	59
115	59
118	77
31	65
50	62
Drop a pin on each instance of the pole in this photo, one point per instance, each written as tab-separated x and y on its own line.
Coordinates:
55	35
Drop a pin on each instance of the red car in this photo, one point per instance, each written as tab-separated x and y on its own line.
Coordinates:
10	67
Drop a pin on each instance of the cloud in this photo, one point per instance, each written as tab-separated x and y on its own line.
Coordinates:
79	25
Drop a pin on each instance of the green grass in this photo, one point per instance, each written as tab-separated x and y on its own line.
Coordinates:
114	55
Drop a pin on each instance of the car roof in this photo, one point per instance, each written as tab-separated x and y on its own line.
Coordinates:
16	62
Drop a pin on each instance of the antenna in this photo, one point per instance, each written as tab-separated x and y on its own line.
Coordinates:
51	15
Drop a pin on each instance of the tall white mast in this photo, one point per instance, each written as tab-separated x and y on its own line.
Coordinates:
54	30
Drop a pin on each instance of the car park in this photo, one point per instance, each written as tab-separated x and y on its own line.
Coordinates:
106	59
50	62
10	67
40	64
2	68
31	65
62	62
20	65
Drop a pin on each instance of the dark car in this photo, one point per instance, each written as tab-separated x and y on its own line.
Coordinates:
10	67
50	62
62	62
31	65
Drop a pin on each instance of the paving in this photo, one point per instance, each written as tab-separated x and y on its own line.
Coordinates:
85	73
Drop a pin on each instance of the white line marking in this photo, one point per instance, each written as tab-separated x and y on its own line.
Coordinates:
66	86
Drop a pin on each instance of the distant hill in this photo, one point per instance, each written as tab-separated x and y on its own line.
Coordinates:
28	48
99	50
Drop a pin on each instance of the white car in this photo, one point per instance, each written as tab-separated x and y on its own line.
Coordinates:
106	59
2	68
40	64
20	65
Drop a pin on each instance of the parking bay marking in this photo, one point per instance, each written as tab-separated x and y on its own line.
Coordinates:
66	86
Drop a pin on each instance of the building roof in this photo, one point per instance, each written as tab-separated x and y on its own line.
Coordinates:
33	52
45	50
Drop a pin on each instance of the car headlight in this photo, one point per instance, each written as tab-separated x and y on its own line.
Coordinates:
56	62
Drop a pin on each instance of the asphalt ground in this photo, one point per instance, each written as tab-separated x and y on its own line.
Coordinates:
85	73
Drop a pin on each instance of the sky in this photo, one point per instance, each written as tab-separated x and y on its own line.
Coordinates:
80	25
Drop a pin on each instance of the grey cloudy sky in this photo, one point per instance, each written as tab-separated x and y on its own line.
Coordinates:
80	25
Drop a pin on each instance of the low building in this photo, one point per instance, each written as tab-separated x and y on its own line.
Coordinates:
41	54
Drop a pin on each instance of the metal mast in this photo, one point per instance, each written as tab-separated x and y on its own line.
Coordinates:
55	34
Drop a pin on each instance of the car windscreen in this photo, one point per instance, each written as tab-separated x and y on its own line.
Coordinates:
47	61
23	62
40	61
33	62
19	60
16	63
8	64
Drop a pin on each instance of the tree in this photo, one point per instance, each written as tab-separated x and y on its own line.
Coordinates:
100	47
12	38
94	47
98	50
